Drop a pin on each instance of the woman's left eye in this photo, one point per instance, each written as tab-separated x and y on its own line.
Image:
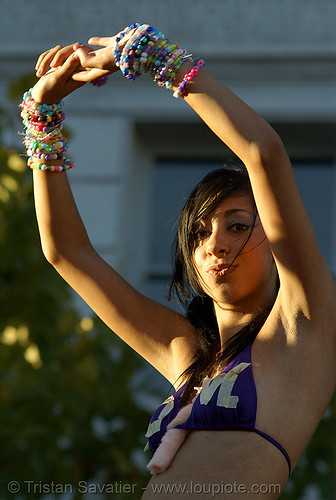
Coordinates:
239	227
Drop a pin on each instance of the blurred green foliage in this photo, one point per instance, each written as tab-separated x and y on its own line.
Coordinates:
66	406
316	470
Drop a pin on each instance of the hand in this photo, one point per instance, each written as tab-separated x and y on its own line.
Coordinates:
94	63
57	54
58	82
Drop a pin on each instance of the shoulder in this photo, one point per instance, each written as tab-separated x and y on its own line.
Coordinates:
183	347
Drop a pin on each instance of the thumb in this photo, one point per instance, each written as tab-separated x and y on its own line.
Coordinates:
101	41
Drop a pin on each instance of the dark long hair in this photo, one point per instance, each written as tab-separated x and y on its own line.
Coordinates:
203	200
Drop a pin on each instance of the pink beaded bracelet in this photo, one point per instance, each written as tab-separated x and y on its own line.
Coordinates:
188	78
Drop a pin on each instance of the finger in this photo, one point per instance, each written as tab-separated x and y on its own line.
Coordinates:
43	62
62	55
88	76
45	53
67	71
69	66
101	41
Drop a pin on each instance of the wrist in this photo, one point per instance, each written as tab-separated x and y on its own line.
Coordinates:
182	72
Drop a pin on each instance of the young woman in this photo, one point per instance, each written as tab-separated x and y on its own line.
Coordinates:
259	339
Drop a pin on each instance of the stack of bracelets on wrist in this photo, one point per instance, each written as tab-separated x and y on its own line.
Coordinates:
44	139
149	51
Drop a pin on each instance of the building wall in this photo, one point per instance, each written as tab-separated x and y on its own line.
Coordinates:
278	56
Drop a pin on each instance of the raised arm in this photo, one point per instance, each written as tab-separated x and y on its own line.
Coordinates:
157	333
306	281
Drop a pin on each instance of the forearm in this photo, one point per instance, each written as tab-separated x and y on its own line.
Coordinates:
61	229
232	120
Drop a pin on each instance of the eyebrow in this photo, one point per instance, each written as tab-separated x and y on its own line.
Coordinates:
235	210
227	213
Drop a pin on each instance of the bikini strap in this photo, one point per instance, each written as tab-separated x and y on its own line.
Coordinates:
278	445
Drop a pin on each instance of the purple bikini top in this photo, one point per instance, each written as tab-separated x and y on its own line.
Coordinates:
226	402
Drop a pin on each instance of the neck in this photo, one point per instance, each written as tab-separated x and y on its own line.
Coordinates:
232	318
230	321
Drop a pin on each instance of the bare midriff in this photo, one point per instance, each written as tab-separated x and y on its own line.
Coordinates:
222	464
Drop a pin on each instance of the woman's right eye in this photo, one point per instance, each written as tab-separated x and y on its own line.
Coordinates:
201	233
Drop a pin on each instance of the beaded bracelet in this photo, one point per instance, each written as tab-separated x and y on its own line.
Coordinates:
51	168
148	51
139	39
45	156
42	144
43	138
159	63
116	52
135	54
188	78
168	73
99	82
34	111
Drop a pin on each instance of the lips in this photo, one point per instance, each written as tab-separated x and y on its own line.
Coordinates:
219	269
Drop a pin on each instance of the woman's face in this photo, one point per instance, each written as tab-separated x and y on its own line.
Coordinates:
234	278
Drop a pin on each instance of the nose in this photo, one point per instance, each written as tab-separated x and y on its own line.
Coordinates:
217	244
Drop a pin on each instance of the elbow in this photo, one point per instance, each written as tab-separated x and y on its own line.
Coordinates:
268	150
62	256
51	254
